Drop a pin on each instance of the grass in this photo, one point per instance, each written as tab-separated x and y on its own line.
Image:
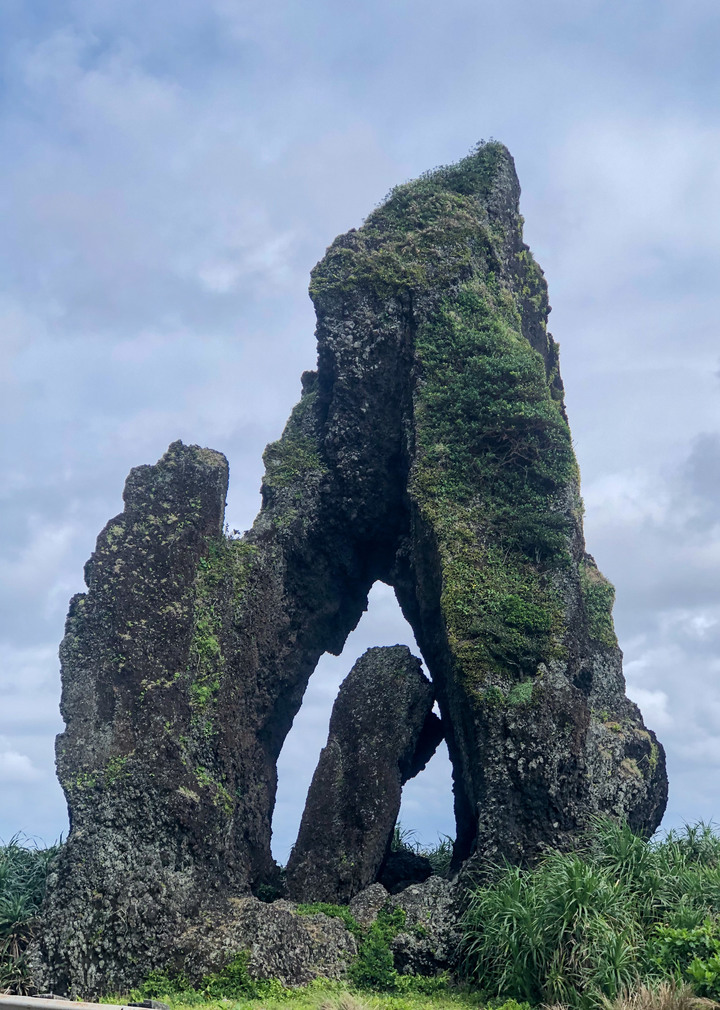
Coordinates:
439	855
665	996
587	927
23	873
324	994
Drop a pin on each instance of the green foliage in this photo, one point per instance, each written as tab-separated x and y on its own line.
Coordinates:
221	579
705	976
692	954
598	596
426	231
373	967
290	459
233	982
495	461
585	927
334	911
23	874
521	694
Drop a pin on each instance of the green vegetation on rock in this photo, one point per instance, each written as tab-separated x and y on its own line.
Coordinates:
598	596
222	573
294	457
373	968
396	250
495	464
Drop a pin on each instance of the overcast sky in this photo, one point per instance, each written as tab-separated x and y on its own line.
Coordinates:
170	174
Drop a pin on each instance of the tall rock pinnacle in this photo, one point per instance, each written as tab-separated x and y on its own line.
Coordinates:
382	733
430	450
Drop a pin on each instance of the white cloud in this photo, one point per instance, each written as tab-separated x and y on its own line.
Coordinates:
628	498
653	705
16	767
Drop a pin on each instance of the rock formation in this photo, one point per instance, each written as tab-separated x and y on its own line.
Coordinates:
382	732
430	450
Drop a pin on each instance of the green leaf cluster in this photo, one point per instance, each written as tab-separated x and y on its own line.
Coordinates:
23	876
584	927
374	967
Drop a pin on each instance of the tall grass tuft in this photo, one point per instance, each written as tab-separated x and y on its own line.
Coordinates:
439	855
664	996
583	928
23	874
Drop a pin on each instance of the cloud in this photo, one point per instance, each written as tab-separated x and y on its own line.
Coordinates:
15	767
174	173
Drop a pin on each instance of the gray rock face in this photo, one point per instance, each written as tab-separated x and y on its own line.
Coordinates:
382	732
364	907
429	943
431	451
281	944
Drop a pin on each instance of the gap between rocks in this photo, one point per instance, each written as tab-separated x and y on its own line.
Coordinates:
427	799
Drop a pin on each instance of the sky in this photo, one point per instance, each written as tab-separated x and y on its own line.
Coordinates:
172	171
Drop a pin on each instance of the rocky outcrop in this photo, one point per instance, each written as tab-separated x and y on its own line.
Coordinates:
382	732
278	942
429	941
403	868
430	450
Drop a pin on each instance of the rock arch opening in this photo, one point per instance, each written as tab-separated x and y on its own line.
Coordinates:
427	798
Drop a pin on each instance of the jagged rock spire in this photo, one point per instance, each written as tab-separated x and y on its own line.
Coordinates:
382	733
430	450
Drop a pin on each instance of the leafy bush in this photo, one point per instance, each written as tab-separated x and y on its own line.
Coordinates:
374	968
582	928
23	873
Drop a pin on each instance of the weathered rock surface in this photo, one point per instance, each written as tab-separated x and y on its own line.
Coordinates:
429	942
430	450
281	944
382	732
364	907
404	868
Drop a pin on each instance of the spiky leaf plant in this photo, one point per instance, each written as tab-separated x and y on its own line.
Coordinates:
23	873
586	927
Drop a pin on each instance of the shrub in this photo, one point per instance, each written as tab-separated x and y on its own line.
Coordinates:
23	873
374	967
583	928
